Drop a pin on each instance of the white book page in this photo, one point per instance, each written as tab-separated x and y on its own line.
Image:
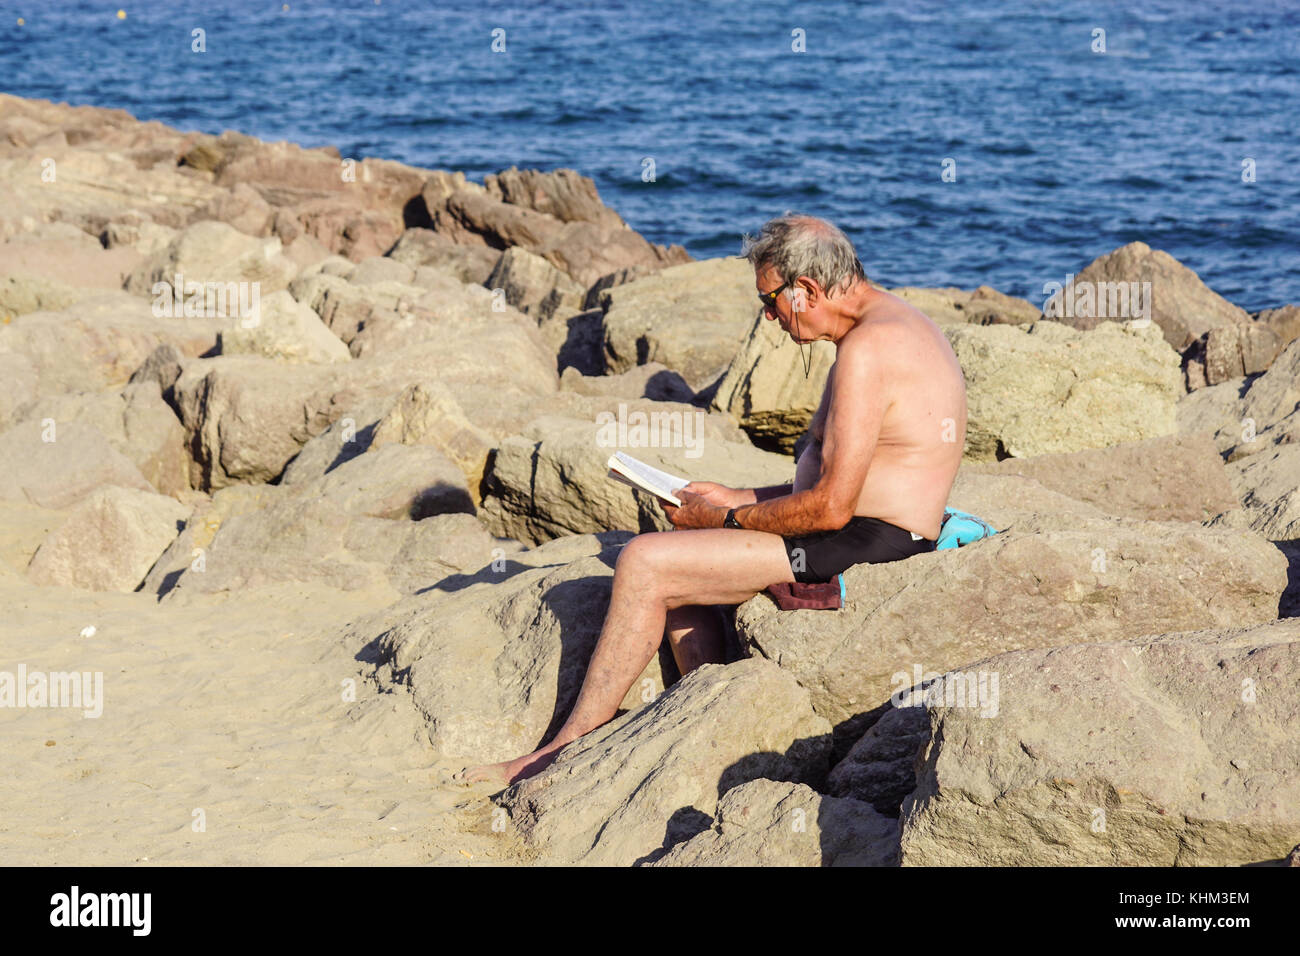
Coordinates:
657	482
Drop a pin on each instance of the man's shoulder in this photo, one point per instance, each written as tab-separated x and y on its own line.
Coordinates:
878	333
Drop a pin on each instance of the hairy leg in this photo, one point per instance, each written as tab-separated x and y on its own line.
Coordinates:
655	574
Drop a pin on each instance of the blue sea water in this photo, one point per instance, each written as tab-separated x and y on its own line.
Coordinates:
1061	153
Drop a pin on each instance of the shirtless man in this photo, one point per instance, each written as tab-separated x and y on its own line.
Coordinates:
870	486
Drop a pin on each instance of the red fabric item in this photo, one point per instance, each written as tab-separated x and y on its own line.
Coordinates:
813	596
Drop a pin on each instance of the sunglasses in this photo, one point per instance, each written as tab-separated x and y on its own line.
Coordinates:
769	298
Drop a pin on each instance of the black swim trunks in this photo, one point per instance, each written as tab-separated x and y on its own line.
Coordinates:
822	555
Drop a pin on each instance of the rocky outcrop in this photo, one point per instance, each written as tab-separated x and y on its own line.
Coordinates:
1249	415
1269	485
222	260
691	318
56	465
248	416
1171	478
1284	320
494	658
557	216
95	343
1047	388
1180	304
110	540
1231	351
424	247
534	286
248	537
55	264
552	478
1178	750
766	390
982	306
643	783
286	330
135	420
768	823
1048	580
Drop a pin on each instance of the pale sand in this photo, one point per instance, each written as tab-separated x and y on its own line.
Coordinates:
232	706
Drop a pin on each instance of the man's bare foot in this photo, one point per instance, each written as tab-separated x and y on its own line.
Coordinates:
508	771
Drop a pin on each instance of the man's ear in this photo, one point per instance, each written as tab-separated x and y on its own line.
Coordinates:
803	295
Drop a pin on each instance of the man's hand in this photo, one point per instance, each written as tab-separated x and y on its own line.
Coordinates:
716	494
696	511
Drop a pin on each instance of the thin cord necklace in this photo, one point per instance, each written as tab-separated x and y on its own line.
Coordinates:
807	359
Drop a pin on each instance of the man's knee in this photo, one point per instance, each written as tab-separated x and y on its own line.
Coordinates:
640	555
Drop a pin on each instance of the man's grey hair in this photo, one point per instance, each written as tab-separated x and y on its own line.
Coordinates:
796	245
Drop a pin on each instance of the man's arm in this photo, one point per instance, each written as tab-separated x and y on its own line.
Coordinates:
765	494
854	414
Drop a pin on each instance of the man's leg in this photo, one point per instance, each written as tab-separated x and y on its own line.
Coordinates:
655	573
696	636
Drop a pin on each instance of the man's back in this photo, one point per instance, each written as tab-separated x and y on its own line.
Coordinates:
923	431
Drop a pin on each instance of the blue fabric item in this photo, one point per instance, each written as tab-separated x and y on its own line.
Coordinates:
843	599
961	527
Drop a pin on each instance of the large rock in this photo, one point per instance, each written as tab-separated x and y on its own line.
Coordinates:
423	247
1180	304
1176	750
385	316
1171	478
765	388
346	308
248	416
1269	486
1005	499
99	342
1049	580
553	479
219	257
691	318
135	420
58	258
252	536
1046	388
347	436
1284	320
768	823
286	330
510	215
393	481
54	465
107	166
428	414
1234	351
534	286
982	306
562	193
651	380
109	541
354	207
643	783
1249	415
495	659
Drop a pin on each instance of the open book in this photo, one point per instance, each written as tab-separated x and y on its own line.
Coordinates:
638	474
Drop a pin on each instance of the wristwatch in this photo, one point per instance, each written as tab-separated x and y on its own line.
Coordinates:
730	520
